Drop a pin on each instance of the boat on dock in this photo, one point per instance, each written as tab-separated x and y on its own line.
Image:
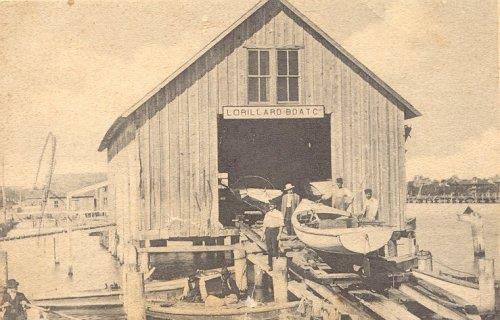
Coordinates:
328	229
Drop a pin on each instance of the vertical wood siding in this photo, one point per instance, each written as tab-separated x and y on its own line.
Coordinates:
163	166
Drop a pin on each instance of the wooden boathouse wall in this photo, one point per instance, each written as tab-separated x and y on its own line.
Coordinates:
163	157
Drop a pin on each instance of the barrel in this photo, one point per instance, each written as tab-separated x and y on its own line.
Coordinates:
424	259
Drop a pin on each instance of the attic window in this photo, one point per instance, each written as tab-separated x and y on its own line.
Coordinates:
258	76
288	76
273	76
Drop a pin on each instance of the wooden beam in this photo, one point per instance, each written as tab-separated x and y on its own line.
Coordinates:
384	307
430	303
186	249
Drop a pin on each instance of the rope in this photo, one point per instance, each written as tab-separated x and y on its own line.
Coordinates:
452	269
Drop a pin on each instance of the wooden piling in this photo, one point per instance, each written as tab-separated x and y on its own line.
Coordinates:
258	280
144	260
134	293
486	285
54	250
112	241
280	280
133	286
424	260
4	270
240	267
477	237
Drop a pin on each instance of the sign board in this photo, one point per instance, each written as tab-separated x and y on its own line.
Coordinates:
273	112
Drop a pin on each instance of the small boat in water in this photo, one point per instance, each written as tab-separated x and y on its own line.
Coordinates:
237	311
332	230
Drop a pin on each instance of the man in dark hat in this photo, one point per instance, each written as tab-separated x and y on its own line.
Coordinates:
289	202
192	290
14	302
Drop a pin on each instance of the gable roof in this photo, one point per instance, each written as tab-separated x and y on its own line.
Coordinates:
409	110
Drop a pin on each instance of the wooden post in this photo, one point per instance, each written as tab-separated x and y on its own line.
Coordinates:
240	267
133	286
144	262
280	280
258	277
54	247
258	280
4	269
476	223
112	241
486	285
134	293
424	259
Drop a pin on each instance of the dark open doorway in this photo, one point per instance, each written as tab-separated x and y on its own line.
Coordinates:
282	151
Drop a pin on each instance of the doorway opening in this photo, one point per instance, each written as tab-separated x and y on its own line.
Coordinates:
281	151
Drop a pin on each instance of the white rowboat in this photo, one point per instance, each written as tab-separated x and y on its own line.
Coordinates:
331	230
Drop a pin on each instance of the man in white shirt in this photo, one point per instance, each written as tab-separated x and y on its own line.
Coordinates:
273	225
341	196
370	206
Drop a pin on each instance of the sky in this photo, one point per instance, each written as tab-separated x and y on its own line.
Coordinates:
72	69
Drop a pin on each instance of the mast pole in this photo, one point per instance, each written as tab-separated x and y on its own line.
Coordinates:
4	201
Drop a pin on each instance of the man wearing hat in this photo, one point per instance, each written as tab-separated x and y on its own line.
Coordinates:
370	206
341	196
14	302
192	291
289	202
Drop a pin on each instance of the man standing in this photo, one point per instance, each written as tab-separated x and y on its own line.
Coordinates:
14	302
370	206
289	202
273	225
341	196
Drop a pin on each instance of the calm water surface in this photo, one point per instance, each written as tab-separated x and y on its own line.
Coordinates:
31	261
450	240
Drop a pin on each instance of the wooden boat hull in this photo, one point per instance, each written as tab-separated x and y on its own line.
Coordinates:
359	240
199	311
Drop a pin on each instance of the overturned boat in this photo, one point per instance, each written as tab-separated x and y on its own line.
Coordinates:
332	230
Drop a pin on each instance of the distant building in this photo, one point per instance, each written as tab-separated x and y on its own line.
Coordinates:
32	203
88	200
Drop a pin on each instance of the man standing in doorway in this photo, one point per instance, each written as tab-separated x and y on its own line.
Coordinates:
341	196
289	202
370	206
273	226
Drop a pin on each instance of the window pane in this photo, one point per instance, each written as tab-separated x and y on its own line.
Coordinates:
282	91
264	63
293	63
293	87
253	63
264	89
282	63
253	89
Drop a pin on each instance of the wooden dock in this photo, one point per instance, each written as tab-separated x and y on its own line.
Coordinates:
356	295
33	233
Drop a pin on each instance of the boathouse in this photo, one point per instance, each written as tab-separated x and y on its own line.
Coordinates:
271	95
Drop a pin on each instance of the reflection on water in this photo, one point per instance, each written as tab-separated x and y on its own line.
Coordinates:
31	261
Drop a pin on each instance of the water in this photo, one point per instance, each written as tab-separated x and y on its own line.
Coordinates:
31	261
450	240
